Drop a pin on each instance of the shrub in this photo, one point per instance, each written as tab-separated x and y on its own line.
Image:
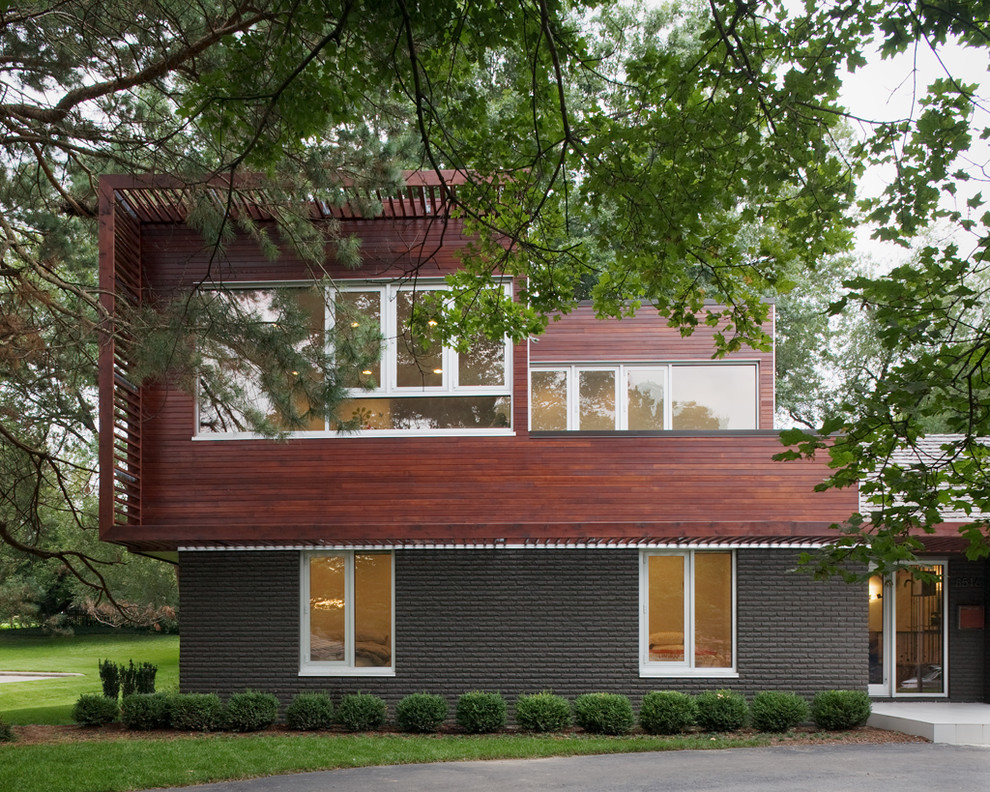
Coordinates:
667	712
197	712
603	713
137	678
144	711
721	710
110	678
773	711
6	732
543	712
834	710
481	713
361	712
95	709
251	711
421	712
309	711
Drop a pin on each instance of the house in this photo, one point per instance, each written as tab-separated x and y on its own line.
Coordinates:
595	509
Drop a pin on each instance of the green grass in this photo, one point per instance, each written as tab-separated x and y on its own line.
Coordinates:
141	764
50	701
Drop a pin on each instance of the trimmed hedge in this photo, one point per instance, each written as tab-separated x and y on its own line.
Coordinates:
421	713
721	710
481	713
774	711
197	712
836	710
361	712
309	711
251	711
543	712
145	711
95	709
603	713
667	712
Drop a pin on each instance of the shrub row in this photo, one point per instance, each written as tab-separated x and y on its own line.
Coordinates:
127	679
477	712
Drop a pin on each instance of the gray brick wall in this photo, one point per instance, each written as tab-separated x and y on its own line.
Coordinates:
515	621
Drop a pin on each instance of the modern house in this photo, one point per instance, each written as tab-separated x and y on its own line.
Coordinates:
595	509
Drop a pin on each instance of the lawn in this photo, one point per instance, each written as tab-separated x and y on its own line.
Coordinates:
142	764
51	701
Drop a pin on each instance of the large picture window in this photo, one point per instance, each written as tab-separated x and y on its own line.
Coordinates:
413	387
347	623
643	397
687	614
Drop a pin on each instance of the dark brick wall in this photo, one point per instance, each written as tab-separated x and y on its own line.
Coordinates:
967	649
515	621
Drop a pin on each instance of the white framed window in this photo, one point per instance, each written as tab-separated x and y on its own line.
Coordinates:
644	397
411	389
687	613
347	613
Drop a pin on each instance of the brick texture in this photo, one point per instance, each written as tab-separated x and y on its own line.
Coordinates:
517	621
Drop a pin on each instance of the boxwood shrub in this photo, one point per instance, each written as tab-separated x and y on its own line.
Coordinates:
667	712
835	710
95	709
144	711
251	711
543	712
603	713
421	712
721	710
309	711
197	712
775	711
361	712
481	713
6	732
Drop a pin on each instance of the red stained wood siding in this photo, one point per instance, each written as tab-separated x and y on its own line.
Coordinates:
450	489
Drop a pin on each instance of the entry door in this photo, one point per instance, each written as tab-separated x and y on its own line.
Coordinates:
908	633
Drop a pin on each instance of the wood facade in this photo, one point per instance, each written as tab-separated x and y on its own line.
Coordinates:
162	488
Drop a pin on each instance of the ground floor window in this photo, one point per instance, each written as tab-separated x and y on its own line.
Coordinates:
687	613
347	613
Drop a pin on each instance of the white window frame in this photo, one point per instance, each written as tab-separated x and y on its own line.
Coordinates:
686	667
344	667
573	371
388	367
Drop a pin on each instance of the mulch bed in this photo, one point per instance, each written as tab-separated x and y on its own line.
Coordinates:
46	735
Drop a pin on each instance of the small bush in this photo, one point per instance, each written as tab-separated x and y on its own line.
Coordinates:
95	709
481	713
110	678
144	711
721	710
834	710
421	712
773	711
543	712
361	712
197	712
137	678
6	732
603	713
309	711
251	711
667	712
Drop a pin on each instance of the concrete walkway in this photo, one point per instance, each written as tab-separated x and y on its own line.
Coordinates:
905	767
30	676
951	722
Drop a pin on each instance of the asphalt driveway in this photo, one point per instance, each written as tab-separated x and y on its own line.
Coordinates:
904	767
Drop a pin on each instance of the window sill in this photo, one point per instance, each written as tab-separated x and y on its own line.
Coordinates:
688	673
206	438
329	671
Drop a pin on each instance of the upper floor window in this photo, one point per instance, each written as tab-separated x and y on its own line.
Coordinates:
409	387
643	397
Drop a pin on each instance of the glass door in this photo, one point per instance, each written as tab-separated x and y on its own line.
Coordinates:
907	632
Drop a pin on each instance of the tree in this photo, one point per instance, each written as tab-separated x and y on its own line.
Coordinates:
662	158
